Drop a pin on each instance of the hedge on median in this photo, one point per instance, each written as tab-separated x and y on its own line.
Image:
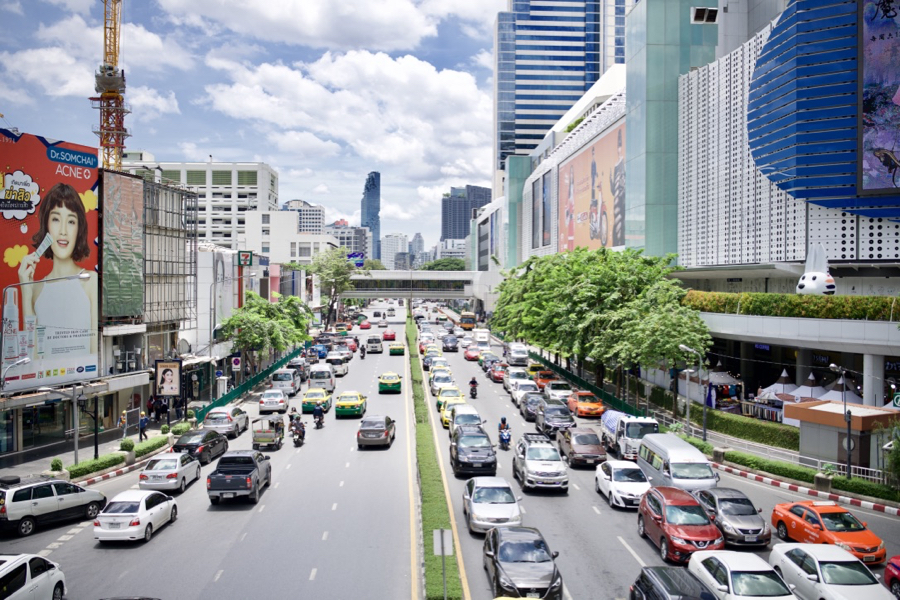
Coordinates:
748	428
93	465
180	428
148	446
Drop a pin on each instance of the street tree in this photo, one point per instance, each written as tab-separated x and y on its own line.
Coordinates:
445	264
334	271
373	264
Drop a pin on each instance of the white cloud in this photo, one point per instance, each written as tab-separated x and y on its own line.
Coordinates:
478	16
52	70
14	7
76	6
322	188
148	104
304	144
484	59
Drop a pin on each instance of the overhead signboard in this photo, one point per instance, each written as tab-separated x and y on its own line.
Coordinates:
357	258
245	258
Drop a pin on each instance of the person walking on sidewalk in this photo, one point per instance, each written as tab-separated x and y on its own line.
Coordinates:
142	426
123	423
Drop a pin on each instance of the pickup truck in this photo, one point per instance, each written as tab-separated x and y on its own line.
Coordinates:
239	473
623	433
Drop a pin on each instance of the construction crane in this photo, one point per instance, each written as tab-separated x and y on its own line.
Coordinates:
110	84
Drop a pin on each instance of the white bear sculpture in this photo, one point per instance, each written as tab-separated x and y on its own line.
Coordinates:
816	279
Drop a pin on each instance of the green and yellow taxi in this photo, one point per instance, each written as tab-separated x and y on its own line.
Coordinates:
435	369
314	395
389	382
445	410
397	348
350	404
447	393
439	361
486	355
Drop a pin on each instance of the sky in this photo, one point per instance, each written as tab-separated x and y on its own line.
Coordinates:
324	91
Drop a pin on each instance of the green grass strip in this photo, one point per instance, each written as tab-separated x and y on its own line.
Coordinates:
435	511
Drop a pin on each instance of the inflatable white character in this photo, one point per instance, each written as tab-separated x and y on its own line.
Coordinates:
816	279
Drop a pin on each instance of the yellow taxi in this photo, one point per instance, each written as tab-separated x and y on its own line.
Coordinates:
447	393
534	368
438	369
396	349
445	411
350	404
314	395
389	382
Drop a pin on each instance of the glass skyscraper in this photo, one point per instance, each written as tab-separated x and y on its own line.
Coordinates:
371	210
547	54
456	210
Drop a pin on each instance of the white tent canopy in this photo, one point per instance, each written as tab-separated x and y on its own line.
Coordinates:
810	389
841	392
783	385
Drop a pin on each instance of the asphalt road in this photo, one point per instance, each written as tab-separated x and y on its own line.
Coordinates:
600	550
335	523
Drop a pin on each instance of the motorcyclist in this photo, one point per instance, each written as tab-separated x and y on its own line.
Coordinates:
362	351
504	426
318	412
473	382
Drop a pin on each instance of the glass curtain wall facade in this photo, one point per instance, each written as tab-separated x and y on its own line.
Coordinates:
456	210
371	210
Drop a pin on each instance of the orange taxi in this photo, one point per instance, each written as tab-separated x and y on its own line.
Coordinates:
541	378
585	404
825	522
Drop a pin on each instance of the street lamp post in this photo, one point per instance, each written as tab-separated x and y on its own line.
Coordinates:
213	308
847	414
75	401
22	361
684	348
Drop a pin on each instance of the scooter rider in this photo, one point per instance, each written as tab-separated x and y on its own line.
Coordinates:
504	426
362	351
473	382
318	412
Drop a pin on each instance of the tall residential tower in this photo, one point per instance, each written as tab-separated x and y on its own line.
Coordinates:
371	210
456	210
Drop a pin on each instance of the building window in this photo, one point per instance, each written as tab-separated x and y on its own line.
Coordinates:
171	176
293	249
246	177
196	177
304	251
265	249
221	178
265	219
265	232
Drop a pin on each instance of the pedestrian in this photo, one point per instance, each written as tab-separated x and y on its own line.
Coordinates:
142	426
157	407
178	406
150	401
166	409
123	423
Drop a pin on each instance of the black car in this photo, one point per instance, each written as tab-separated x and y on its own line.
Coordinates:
451	344
471	452
488	362
301	367
520	564
202	445
551	416
529	404
426	362
668	583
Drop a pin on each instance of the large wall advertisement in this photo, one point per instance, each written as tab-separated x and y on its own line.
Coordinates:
591	190
48	234
880	98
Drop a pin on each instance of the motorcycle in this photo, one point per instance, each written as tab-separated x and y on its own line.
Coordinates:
362	353
320	422
505	437
299	435
473	391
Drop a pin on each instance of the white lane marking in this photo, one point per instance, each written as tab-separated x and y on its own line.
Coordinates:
566	593
312	575
632	552
575	485
135	486
596	510
45	553
243	536
86	523
341	484
297	451
522	509
324	536
262	508
64	538
74	530
524	424
54	545
219	574
334	506
277	483
288	466
347	465
352	448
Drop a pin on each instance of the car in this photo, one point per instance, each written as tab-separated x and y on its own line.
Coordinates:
826	572
429	357
321	350
447	393
471	451
551	416
314	395
239	474
825	522
489	502
465	341
26	504
445	409
376	430
668	583
622	482
382	323
520	564
273	401
396	349
537	464
585	404
169	471
424	341
390	382
442	379
134	515
580	446
351	343
486	356
533	369
202	445
344	351
365	325
350	403
227	420
513	374
459	332
518	389
738	575
389	335
376	314
518	357
496	371
450	343
439	362
892	575
528	405
472	353
30	577
541	378
676	523
558	390
436	370
301	366
734	514
464	414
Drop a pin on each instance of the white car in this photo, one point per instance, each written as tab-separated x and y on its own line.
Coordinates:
558	390
512	375
134	515
273	401
30	577
622	482
518	389
465	341
441	380
738	575
170	471
489	502
826	572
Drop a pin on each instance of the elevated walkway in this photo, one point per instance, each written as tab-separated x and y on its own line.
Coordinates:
413	284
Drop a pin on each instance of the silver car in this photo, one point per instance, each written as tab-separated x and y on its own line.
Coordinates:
171	471
733	512
441	380
230	421
489	502
273	401
518	389
558	390
377	430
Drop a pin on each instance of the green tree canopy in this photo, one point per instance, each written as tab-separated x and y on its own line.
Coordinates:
373	264
334	271
445	264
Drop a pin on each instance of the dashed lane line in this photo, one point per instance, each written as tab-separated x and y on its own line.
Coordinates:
45	553
334	506
312	575
219	574
262	508
575	485
632	552
325	536
243	536
596	510
288	466
341	484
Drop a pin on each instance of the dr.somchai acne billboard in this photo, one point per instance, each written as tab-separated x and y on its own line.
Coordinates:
48	240
592	194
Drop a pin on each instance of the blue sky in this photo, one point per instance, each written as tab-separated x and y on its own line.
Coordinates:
323	90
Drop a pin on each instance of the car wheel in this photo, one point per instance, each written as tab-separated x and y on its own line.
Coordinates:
254	497
641	531
58	592
182	486
256	446
663	550
173	516
148	533
609	499
359	446
25	527
92	510
895	588
198	473
236	432
782	531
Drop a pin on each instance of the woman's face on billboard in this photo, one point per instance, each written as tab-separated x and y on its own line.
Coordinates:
63	228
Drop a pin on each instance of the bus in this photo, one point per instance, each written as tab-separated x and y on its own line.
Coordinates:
467	320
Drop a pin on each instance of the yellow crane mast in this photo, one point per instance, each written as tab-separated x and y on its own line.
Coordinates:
110	84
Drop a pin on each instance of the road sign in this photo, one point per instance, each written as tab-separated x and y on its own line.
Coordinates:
236	363
219	373
897	400
443	542
245	258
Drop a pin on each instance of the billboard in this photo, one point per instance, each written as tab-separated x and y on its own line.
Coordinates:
49	273
591	191
168	378
879	156
123	245
536	213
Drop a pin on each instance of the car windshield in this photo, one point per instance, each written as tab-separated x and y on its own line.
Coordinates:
275	395
686	515
468	419
557	411
736	507
527	386
758	584
449	393
637	431
588	399
840	521
191	438
559	386
494	495
314	395
542	453
474	441
532	401
586	439
118	508
349	398
162	464
443	379
389	377
524	552
518	375
320	375
450	340
215	418
846	573
629	475
692	471
282	377
372	424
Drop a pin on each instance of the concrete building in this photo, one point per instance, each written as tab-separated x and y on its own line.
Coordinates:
391	244
416	244
457	207
450	249
370	216
270	234
311	217
354	239
402	261
225	191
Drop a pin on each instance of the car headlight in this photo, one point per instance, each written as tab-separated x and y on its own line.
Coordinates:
719	540
765	527
557	582
844	546
727	527
506	582
678	540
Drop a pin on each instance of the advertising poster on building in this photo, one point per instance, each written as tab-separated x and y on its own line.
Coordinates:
591	192
49	274
880	98
536	214
168	378
545	211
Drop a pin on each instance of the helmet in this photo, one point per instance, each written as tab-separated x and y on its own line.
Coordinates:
503	420
318	403
143	414
124	412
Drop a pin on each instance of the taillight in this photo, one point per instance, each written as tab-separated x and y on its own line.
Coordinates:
359	434
249	482
262	401
229	418
135	522
386	433
172	476
3	510
200	449
208	483
144	477
97	523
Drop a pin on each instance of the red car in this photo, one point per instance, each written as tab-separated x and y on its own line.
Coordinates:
892	575
472	354
351	343
389	335
675	521
365	325
497	371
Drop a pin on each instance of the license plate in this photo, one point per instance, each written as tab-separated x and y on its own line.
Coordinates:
157	477
115	525
532	595
869	558
228	495
591	461
372	435
477	465
751	538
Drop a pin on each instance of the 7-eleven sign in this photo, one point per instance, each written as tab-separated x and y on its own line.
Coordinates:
245	258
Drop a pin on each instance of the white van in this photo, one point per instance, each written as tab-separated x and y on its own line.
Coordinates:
666	459
287	380
373	344
338	362
482	336
321	376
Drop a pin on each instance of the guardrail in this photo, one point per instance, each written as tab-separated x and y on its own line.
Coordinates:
244	388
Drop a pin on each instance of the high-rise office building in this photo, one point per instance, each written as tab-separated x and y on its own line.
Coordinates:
371	210
354	239
456	210
417	244
311	217
548	54
391	244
